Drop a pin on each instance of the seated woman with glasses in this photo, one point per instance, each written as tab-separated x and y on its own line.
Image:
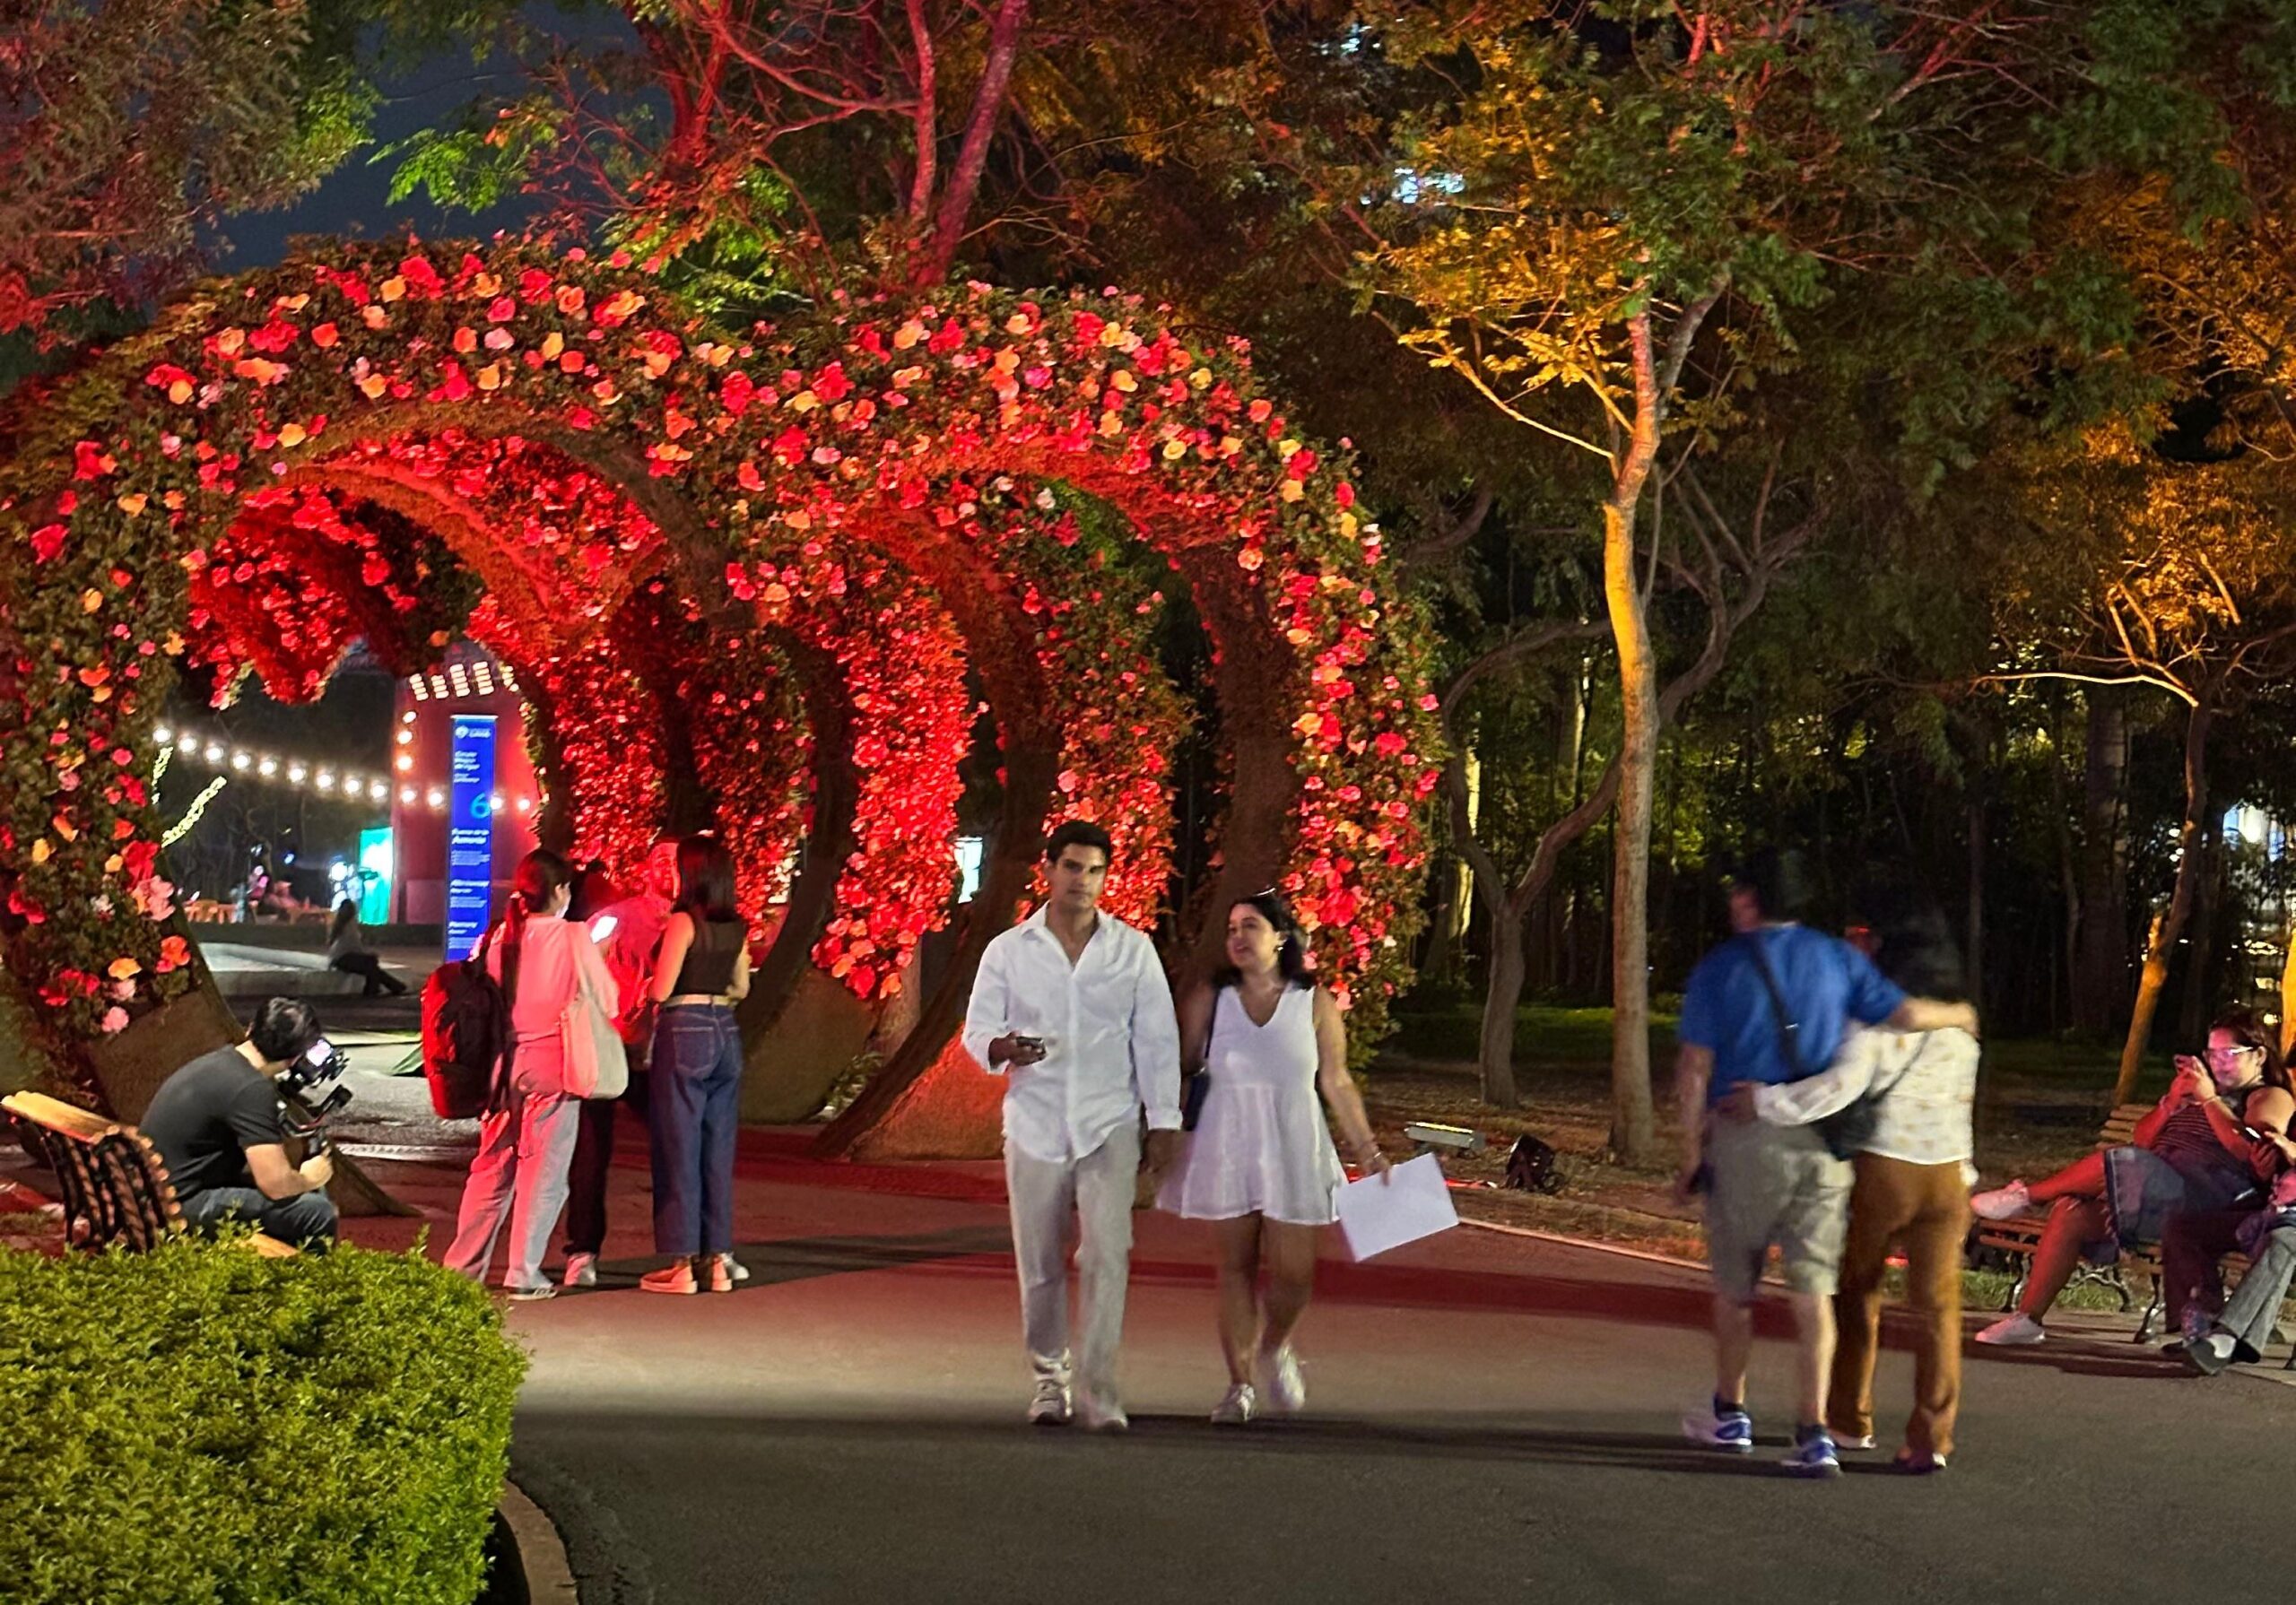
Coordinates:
2195	1151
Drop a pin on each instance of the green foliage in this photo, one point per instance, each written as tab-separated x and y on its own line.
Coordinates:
471	166
133	128
201	1426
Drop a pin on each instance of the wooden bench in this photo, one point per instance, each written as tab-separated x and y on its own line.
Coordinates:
116	1186
2018	1237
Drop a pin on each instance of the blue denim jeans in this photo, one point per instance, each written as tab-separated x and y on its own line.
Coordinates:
695	1092
307	1220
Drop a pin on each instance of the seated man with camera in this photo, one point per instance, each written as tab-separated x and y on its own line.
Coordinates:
221	1124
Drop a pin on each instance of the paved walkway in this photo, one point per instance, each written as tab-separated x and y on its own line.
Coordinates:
1492	1417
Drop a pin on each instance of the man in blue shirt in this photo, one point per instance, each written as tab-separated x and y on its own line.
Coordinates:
1772	1004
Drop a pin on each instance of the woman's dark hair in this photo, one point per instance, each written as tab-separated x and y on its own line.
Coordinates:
706	879
1917	952
1291	956
593	891
2247	1028
285	1029
346	915
533	885
1078	833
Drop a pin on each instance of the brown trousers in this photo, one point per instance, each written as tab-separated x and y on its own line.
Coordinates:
1926	1208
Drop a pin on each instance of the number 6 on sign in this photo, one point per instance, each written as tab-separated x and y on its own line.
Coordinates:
1411	1202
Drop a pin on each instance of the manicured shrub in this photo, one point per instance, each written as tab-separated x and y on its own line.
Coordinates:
200	1426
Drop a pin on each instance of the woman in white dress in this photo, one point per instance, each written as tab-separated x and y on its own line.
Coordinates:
1260	1164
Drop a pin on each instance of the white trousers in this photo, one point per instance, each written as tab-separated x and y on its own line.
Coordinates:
526	1153
1086	1201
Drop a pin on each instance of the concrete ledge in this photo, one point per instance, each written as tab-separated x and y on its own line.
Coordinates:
540	1553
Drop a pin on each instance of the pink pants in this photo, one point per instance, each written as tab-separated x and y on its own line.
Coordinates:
525	1154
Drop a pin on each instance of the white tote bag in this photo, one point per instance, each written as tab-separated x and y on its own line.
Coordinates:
596	1065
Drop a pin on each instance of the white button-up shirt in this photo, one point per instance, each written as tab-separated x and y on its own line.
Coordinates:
1112	1041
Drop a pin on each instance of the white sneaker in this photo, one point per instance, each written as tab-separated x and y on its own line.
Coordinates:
1866	1442
2001	1203
581	1270
533	1294
741	1272
1096	1414
1237	1407
2012	1332
1281	1384
1050	1408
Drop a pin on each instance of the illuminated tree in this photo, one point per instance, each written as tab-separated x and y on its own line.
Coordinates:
2178	576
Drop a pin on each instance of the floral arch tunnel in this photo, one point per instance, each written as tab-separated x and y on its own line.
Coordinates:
763	583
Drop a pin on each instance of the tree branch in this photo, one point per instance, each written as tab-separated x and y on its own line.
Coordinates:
1430	549
940	252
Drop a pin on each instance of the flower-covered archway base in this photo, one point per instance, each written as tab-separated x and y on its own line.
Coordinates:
756	576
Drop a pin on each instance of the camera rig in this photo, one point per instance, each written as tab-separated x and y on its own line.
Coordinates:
306	1108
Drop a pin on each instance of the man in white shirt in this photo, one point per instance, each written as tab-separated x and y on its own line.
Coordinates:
1072	1007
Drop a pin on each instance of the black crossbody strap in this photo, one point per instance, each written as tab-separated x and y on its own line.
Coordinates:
1789	1041
1878	1093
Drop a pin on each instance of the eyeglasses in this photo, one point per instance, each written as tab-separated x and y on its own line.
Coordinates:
2233	1052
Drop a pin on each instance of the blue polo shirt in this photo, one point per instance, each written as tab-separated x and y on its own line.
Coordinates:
1826	984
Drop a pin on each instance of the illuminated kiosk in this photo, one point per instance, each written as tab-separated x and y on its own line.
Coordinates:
760	582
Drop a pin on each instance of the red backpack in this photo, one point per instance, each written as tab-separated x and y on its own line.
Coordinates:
465	1036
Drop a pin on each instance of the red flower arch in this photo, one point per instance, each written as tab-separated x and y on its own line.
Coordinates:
896	475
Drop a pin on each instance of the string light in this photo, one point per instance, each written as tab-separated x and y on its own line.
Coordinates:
191	815
248	763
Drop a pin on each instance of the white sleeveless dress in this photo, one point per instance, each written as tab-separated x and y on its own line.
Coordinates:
1262	1145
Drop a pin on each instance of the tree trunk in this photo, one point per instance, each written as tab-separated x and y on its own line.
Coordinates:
1632	1118
2101	942
1495	1053
2288	996
2067	957
1630	1123
1975	945
1436	966
2168	920
2200	944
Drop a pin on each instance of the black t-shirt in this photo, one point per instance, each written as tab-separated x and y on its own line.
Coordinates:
206	1115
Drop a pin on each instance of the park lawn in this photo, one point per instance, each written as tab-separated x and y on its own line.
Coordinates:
2039	1103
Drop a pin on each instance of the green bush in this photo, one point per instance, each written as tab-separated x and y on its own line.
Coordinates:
204	1426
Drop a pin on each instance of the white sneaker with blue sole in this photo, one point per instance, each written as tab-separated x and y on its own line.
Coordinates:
1731	1430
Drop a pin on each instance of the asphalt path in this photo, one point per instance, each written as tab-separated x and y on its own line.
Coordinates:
1490	1417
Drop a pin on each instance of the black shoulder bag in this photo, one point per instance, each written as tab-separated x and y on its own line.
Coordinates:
1846	1130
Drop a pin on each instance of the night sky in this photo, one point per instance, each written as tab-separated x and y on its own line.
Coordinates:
352	201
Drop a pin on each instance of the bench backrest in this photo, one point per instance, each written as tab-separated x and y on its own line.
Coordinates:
115	1182
2120	1126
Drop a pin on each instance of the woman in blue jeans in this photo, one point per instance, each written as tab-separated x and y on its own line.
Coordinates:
695	1073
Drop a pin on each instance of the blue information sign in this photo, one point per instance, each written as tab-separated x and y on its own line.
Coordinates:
470	833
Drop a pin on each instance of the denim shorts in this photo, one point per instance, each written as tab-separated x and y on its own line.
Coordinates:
2143	1190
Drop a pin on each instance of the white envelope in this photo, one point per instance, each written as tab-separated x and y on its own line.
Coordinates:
1410	1202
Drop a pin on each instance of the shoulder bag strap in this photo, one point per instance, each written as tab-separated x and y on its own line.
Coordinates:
1789	1041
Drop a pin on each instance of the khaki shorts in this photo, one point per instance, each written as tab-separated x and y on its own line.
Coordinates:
1774	1185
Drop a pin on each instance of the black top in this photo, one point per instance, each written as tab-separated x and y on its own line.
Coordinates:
709	964
206	1115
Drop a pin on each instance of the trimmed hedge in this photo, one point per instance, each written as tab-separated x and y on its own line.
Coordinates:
200	1426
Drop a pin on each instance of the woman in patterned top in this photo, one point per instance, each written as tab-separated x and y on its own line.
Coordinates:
2193	1153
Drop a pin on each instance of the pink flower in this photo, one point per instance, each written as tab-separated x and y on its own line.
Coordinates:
115	1020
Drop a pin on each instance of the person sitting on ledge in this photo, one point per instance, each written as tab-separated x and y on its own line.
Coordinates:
2191	1153
221	1129
347	951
